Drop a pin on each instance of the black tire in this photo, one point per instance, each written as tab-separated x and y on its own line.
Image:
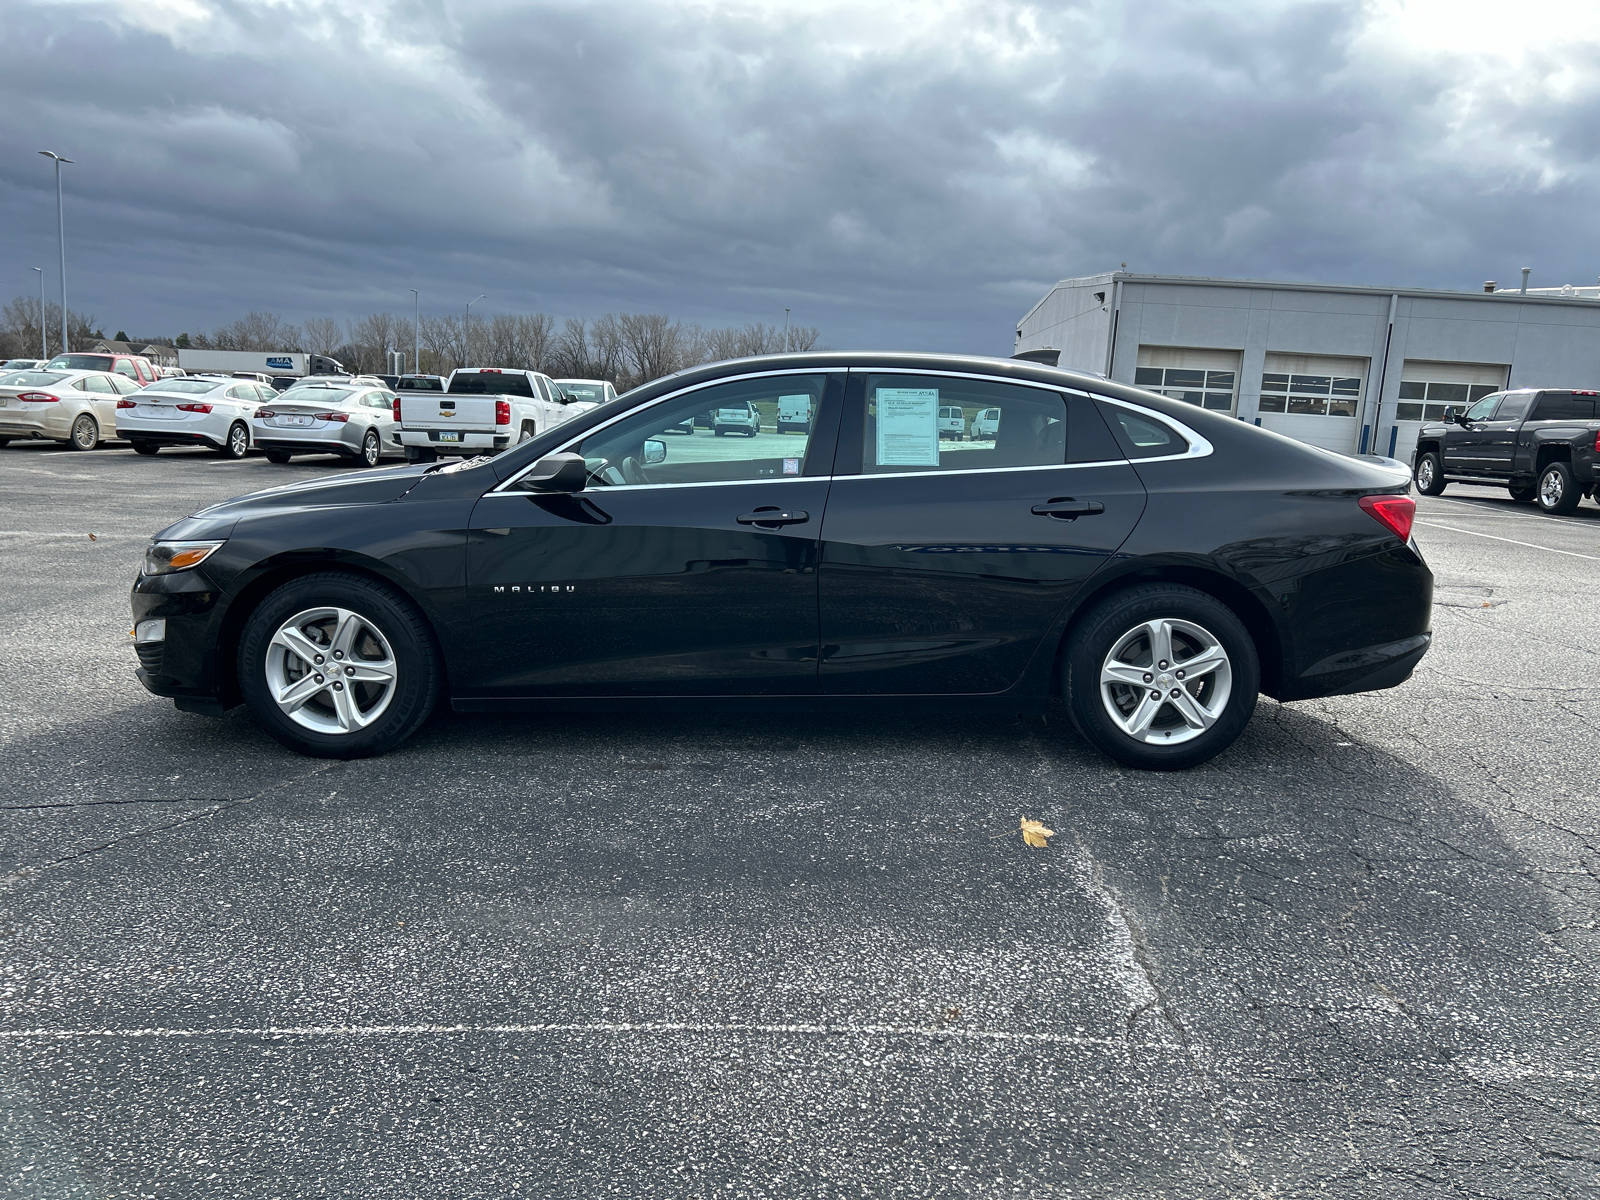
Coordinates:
371	449
1526	494
1430	468
85	433
751	432
420	454
4	442
238	444
146	448
1115	619
719	432
417	672
1558	492
278	456
525	433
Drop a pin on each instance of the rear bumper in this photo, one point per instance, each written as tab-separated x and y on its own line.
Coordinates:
26	425
472	442
305	445
168	438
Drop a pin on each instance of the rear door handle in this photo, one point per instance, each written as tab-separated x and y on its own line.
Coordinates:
1065	508
775	516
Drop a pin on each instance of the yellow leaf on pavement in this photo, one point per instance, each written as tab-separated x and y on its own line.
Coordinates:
1034	833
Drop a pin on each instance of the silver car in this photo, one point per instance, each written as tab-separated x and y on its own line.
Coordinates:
352	420
75	407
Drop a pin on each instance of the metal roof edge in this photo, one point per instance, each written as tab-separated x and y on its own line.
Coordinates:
1347	289
1081	281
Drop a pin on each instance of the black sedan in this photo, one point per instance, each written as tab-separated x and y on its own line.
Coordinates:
1152	565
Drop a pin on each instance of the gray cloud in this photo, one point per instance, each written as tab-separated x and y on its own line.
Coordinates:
908	177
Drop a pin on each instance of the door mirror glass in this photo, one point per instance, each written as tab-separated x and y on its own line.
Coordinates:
655	451
556	473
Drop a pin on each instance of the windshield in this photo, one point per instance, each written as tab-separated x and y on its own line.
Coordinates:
21	364
491	383
79	362
315	395
187	387
582	389
30	379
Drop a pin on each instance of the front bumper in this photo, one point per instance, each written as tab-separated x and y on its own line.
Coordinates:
183	665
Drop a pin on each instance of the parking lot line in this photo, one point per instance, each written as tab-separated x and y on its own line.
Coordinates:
601	1027
1488	508
1513	541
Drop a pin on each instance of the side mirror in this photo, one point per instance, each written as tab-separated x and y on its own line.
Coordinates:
655	451
556	473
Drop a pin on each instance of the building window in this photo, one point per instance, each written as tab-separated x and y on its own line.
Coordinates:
1206	389
1310	395
1427	400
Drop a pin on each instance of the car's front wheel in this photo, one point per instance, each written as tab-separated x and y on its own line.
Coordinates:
1161	676
1558	491
337	665
1525	494
1430	474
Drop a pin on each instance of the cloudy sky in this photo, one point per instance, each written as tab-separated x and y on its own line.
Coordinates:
901	175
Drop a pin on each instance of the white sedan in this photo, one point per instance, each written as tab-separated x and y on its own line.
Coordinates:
202	410
352	420
75	407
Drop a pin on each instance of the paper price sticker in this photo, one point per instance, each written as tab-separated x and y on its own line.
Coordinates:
908	427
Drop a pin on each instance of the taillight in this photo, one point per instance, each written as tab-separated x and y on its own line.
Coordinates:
126	404
1597	441
199	408
397	410
39	398
263	413
331	416
502	412
1395	513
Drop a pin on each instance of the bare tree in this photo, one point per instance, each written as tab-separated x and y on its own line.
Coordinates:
19	323
650	344
441	336
323	335
255	331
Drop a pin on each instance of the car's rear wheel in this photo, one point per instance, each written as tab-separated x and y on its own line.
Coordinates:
277	456
1430	474
371	449
145	448
1161	676
85	433
1558	491
1526	494
420	454
338	666
238	443
527	432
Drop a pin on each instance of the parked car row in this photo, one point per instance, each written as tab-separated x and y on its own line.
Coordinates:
362	418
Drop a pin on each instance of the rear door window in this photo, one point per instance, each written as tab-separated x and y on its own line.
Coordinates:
1513	406
1563	406
902	415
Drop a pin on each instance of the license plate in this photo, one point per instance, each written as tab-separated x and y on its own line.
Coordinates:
297	420
449	437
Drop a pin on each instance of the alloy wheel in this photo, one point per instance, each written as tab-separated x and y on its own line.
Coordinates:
85	433
1551	488
1425	474
1166	681
371	450
331	670
238	442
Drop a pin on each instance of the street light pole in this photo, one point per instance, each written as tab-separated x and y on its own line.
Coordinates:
61	229
786	331
44	354
416	324
466	330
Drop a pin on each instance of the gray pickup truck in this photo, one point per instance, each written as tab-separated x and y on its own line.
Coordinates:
1541	443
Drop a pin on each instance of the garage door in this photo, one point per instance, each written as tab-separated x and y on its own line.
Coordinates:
1206	378
1315	398
1428	388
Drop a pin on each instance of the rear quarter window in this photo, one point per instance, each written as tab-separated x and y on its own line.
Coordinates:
1142	436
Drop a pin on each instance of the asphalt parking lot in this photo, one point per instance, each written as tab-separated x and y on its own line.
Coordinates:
693	956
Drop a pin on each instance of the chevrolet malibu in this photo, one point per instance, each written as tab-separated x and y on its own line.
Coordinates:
353	420
197	410
1150	565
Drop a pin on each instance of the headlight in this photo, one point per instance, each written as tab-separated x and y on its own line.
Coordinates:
164	558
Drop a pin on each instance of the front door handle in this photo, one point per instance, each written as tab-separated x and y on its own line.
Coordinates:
775	516
1065	508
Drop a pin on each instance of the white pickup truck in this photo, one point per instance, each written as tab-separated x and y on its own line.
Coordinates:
481	410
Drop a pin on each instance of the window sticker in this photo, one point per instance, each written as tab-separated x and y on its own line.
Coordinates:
908	427
791	466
